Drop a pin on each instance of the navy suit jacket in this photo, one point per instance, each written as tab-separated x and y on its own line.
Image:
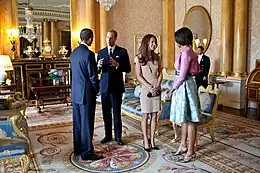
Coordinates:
85	84
112	78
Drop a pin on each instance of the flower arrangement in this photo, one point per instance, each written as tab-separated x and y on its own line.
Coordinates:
55	74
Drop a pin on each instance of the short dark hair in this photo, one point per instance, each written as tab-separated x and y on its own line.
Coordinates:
86	34
114	32
201	47
183	36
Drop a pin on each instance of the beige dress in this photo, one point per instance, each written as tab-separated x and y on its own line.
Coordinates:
150	73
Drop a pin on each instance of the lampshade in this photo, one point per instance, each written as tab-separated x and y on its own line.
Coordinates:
5	63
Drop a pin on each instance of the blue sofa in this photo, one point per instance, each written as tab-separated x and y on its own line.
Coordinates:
131	103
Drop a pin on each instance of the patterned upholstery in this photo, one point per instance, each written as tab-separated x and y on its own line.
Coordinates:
11	143
207	101
131	102
132	105
13	147
167	84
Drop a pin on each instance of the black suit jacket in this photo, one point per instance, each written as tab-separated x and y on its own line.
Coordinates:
204	72
112	78
85	84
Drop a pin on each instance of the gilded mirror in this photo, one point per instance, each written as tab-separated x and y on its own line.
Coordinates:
198	20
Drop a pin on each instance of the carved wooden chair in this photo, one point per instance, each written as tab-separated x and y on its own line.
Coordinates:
14	141
209	102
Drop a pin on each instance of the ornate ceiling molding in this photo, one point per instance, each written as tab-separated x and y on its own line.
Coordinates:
45	12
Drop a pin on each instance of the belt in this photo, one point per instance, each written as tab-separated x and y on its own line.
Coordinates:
178	73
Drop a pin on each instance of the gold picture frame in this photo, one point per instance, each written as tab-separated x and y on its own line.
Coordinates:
137	42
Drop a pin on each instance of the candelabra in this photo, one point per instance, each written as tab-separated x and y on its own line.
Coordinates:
107	3
199	42
29	32
12	36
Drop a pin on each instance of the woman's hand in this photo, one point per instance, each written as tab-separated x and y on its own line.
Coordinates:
170	93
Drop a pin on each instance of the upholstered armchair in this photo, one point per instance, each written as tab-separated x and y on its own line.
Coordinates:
14	141
209	101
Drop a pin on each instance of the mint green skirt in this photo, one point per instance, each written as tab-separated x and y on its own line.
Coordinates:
185	104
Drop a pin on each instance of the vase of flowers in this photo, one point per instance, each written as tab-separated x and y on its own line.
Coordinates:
56	76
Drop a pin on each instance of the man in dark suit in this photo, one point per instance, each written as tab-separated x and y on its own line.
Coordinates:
85	87
112	62
204	61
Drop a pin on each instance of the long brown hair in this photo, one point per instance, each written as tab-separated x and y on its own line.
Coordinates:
145	54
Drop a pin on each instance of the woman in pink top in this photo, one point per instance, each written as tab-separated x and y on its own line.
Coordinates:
185	105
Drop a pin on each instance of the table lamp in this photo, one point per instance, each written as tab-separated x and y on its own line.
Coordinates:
5	66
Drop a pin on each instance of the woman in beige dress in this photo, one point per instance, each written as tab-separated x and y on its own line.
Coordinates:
149	74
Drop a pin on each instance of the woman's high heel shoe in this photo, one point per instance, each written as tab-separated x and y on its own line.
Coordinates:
180	151
189	158
153	147
146	149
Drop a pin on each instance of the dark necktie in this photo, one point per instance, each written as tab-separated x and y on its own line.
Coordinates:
110	52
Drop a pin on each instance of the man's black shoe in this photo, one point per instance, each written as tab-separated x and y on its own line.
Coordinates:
92	157
119	141
105	140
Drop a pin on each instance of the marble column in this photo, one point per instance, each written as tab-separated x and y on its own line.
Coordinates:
103	26
55	41
9	20
82	14
240	38
226	45
46	30
168	53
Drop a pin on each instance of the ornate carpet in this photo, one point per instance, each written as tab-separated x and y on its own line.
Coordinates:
237	148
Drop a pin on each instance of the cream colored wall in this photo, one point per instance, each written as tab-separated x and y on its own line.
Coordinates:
130	17
141	17
214	9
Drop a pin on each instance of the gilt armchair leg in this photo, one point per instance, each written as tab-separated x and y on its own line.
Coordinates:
26	161
212	135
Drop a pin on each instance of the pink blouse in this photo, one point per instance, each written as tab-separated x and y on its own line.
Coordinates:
186	63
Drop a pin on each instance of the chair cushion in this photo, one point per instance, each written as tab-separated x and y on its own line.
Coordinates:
137	91
12	147
129	92
165	112
167	84
7	129
207	101
132	105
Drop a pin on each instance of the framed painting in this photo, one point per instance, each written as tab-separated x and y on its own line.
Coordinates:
138	40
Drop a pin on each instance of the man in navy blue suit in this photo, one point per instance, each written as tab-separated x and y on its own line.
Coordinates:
112	62
85	86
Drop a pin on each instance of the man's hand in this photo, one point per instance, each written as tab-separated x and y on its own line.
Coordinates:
204	78
113	62
100	62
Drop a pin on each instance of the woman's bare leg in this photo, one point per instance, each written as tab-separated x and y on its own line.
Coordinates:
145	129
191	138
153	127
175	139
182	148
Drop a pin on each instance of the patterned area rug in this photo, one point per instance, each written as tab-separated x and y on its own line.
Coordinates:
237	148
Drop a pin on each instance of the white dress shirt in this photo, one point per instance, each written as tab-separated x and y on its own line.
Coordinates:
109	47
84	43
199	58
